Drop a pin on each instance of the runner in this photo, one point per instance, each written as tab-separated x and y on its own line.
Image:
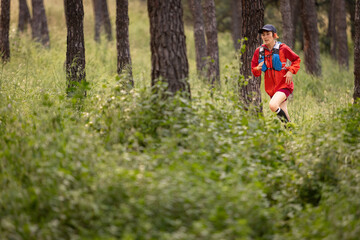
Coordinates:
271	58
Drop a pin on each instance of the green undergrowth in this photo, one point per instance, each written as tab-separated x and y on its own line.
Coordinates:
124	163
128	164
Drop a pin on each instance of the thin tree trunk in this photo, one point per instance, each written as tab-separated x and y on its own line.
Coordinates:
106	19
75	52
24	16
342	43
311	37
122	37
253	20
212	47
236	22
199	35
98	19
40	32
357	53
288	28
351	9
102	18
331	34
4	30
295	6
168	45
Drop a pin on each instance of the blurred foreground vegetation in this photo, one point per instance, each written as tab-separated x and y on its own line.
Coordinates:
126	164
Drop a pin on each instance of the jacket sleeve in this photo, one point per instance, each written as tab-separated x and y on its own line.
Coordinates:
255	63
294	59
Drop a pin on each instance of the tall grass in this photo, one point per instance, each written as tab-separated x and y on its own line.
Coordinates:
127	164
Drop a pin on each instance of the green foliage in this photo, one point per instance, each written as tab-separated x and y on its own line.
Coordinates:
125	163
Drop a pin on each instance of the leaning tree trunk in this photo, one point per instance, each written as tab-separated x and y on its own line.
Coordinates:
311	37
24	16
253	20
342	43
40	32
75	52
4	30
106	19
236	22
212	47
122	37
288	28
331	34
357	53
199	35
168	45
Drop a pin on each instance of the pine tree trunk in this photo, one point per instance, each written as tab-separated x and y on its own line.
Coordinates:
357	53
351	8
168	45
212	47
97	18
342	43
75	52
106	20
331	34
253	20
295	5
288	28
236	22
199	35
24	16
4	30
40	32
311	37
122	37
102	18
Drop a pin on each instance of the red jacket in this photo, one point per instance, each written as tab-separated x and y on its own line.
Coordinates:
275	80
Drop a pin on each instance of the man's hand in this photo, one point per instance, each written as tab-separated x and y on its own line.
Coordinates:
289	77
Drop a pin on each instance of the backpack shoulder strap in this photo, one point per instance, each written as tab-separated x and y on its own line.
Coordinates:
261	52
276	48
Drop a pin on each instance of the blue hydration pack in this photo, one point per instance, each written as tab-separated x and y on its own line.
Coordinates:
277	64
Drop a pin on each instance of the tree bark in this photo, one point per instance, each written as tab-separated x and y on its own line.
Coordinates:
122	37
253	20
40	32
288	28
102	18
295	6
357	53
212	47
236	22
295	18
331	34
75	52
168	45
311	37
24	16
4	30
342	41
106	20
351	8
199	35
97	18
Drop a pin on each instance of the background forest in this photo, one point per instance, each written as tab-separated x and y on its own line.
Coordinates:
125	163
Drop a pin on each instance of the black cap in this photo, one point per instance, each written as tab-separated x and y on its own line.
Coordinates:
268	28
